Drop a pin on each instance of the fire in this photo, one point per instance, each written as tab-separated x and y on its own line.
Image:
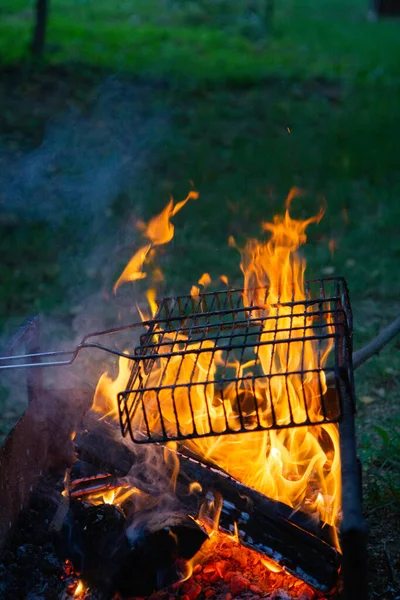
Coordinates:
116	496
159	231
107	389
79	590
299	466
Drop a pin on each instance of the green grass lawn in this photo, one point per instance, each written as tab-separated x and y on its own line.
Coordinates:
210	41
314	104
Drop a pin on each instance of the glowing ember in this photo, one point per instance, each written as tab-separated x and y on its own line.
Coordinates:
224	569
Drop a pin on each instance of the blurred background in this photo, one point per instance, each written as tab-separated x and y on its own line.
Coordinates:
108	107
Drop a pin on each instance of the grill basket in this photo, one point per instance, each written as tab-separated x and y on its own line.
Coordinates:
215	364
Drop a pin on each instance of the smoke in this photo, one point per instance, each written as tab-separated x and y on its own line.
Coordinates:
87	160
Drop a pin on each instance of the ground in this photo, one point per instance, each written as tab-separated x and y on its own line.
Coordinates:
130	105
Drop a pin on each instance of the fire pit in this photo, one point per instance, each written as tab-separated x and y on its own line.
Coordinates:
240	404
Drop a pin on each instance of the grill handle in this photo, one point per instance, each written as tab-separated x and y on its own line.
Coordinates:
67	357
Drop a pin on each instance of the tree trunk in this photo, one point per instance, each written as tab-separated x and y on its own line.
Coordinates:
269	15
39	33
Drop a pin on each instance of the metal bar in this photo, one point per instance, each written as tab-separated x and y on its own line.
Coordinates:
34	377
139	438
231	347
353	529
28	335
257	323
227	380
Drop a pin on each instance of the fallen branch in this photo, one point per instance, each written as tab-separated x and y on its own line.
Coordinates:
375	346
372	348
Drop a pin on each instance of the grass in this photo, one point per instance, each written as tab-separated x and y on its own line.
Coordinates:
166	39
249	115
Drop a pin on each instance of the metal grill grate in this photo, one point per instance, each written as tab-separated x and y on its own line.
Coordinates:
210	365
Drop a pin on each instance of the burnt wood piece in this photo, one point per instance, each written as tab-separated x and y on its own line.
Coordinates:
98	484
303	545
115	557
100	447
40	441
99	444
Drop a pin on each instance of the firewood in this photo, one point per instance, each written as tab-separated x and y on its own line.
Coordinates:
99	444
114	556
299	542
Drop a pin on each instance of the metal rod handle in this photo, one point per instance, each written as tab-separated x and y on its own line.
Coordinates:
36	359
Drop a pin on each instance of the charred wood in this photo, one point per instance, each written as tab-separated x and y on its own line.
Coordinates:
114	556
299	542
99	445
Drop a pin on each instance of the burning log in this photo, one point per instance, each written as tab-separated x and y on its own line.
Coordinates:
303	545
297	542
113	557
91	441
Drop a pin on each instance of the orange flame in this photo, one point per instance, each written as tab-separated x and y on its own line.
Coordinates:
287	465
107	389
299	466
224	279
205	280
159	231
271	565
79	591
116	496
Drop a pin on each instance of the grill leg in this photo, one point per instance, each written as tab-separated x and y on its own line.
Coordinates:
354	530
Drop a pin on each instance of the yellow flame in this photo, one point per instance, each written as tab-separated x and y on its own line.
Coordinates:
107	389
108	497
235	532
195	291
271	565
133	270
116	496
151	299
224	279
194	486
79	590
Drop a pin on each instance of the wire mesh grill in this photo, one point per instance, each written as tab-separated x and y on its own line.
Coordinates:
227	362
